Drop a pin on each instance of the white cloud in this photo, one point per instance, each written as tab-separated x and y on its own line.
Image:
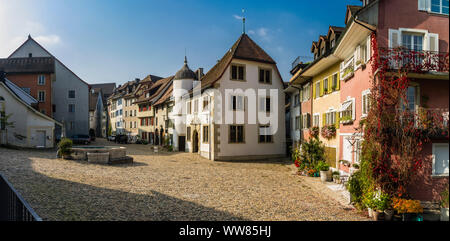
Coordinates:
237	17
263	33
48	39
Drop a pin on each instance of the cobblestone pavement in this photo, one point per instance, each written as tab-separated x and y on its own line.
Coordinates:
166	186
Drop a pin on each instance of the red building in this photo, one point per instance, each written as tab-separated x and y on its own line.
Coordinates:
412	36
35	76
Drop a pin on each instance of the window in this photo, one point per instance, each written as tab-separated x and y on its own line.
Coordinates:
411	97
330	118
205	103
265	135
72	94
365	103
237	72
188	133
126	113
317	94
71	108
71	125
305	92
205	134
156	121
439	6
135	126
412	41
265	76
440	159
306	121
41	96
325	85
347	112
333	42
3	120
189	107
297	122
134	112
120	112
358	148
196	106
334	82
296	99
41	80
28	90
316	120
237	102
236	134
119	102
323	51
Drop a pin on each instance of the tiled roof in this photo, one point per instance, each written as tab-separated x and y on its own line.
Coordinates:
244	48
151	78
156	88
28	65
165	96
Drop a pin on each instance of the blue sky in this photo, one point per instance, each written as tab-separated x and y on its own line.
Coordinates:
117	41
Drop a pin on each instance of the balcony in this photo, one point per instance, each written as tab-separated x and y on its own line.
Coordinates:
420	62
432	122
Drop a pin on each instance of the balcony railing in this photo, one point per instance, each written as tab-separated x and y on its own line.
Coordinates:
433	122
414	61
12	206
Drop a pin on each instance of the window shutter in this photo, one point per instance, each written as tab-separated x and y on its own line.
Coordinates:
301	122
324	119
337	120
308	117
423	5
330	83
321	88
369	48
394	38
433	42
314	91
338	84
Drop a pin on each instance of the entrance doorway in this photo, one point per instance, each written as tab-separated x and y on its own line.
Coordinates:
195	142
181	143
40	135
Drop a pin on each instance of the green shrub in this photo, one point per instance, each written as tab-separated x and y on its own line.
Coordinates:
444	198
323	166
355	187
65	147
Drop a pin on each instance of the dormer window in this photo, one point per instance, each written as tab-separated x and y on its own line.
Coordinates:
333	43
323	51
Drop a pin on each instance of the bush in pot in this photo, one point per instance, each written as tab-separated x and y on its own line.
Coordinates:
336	176
324	169
381	204
65	148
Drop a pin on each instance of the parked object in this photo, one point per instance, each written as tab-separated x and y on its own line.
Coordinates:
81	139
111	138
121	139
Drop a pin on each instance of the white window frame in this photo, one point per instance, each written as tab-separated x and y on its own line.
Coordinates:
332	113
39	96
318	119
425	5
363	94
353	107
41	79
434	174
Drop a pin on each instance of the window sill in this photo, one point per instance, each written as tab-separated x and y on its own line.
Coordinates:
439	176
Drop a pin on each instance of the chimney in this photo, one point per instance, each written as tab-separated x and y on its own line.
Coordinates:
199	73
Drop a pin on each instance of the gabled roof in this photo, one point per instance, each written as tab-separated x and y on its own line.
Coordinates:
167	94
23	97
351	11
34	41
151	78
336	30
107	88
157	88
28	65
244	48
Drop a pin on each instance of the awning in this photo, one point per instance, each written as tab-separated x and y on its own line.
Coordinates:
345	105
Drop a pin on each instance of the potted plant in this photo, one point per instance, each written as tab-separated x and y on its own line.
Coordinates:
65	148
336	176
410	210
325	173
381	203
368	201
444	205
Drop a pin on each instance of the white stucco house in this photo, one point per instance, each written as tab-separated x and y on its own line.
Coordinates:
30	128
225	115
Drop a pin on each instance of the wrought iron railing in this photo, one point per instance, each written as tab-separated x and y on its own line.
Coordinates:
414	61
12	206
296	62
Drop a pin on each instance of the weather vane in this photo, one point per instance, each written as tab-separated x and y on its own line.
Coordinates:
243	20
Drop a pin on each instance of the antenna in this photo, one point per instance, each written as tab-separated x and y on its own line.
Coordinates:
243	20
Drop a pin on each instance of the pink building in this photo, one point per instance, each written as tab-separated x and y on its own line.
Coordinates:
421	27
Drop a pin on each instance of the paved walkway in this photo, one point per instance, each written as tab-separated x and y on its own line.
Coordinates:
167	186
